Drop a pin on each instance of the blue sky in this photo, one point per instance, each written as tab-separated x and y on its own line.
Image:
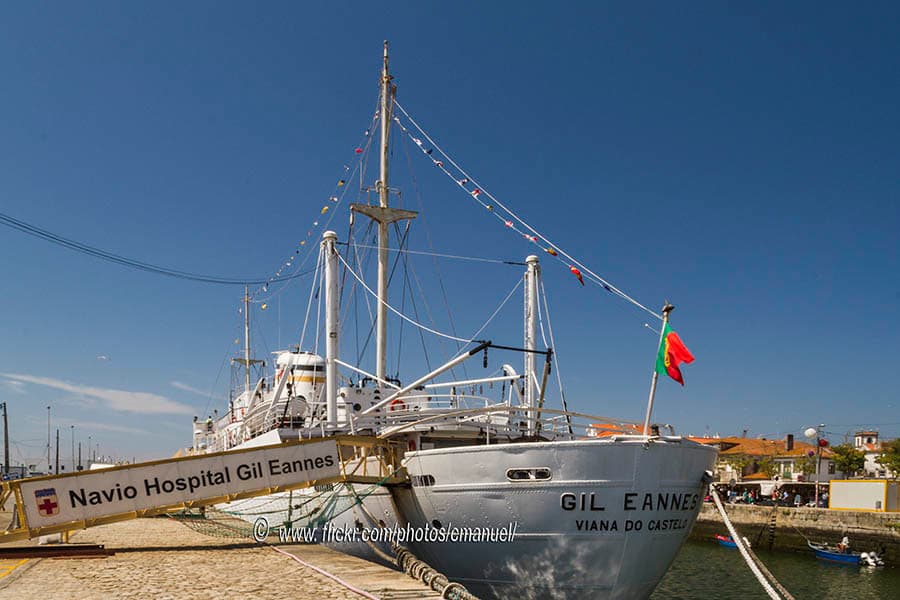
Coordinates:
740	161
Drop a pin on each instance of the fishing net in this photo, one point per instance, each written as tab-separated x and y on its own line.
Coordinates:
310	508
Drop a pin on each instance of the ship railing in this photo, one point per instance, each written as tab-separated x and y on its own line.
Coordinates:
419	403
512	421
258	422
275	416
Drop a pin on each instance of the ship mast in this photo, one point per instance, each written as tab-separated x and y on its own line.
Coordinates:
246	361
532	282
247	341
383	233
384	215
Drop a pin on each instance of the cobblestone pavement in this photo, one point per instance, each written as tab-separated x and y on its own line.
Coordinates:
160	558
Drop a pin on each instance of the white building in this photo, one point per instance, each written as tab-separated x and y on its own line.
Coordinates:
868	442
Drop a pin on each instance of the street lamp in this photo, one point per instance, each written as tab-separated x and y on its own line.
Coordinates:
73	447
816	432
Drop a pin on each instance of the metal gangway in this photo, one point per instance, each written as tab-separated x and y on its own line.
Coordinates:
62	503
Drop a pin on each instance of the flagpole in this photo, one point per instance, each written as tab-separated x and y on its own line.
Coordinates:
667	308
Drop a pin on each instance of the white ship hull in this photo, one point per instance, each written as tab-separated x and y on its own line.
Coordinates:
607	524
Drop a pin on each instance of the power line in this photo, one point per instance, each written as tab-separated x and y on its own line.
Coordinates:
124	261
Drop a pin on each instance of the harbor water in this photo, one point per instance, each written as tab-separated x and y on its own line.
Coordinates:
706	570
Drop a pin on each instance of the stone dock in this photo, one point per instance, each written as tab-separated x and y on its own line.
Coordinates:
161	558
783	528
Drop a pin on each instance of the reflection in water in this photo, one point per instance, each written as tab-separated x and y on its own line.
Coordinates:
543	577
707	570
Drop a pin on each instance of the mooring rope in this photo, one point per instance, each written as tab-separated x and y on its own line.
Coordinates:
768	574
416	567
419	569
744	551
801	534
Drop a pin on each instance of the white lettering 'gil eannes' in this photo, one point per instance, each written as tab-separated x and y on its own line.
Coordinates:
110	492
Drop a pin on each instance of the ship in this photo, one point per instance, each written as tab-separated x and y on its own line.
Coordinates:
590	506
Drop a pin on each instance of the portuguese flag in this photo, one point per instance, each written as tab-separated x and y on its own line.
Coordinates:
672	352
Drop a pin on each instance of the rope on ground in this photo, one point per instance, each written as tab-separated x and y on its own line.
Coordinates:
742	547
325	573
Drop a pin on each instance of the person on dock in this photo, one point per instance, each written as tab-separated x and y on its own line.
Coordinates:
798	500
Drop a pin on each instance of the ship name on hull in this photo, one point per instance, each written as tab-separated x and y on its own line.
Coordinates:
639	502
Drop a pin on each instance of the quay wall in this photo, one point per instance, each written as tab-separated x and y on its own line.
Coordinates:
784	528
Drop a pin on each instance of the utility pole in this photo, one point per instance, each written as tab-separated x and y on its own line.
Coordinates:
79	456
73	447
818	459
90	451
49	464
57	451
5	441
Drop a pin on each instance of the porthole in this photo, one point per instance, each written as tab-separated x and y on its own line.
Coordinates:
532	474
422	480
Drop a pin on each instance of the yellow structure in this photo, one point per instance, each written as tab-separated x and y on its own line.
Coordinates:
872	495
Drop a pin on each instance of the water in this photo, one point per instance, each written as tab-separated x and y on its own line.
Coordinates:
706	570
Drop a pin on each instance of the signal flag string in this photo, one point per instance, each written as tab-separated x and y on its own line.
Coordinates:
510	220
334	200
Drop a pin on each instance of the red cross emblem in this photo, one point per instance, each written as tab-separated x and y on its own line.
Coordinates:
46	502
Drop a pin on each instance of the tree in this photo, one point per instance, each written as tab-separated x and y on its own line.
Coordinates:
890	457
806	464
738	463
848	459
767	465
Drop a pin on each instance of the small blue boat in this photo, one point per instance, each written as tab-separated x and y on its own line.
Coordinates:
831	554
725	541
